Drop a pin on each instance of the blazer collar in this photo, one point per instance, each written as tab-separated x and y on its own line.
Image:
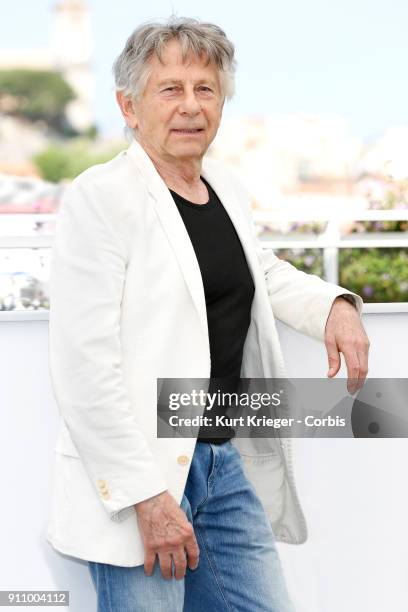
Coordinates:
174	227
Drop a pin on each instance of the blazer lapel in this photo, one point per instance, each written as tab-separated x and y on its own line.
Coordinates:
176	232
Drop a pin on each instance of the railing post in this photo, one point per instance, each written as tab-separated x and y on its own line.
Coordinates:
330	237
331	264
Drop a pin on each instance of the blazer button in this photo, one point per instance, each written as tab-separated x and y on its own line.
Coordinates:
105	494
183	459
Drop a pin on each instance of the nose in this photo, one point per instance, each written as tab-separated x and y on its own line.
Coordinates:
189	104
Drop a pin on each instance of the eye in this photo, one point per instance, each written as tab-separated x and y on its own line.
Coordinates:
205	88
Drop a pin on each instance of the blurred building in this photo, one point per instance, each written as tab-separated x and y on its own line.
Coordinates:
288	155
388	155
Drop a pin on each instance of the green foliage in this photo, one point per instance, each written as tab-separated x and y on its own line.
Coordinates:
91	132
306	260
66	161
379	226
378	275
35	95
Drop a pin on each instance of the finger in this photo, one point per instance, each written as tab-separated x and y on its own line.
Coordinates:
362	349
193	553
353	370
165	561
363	360
333	356
149	560
180	563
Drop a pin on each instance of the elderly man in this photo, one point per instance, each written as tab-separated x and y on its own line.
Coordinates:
156	273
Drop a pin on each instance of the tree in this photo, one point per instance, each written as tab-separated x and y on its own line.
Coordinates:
36	95
67	160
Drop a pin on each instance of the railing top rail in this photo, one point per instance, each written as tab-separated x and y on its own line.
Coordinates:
43	315
395	214
274	242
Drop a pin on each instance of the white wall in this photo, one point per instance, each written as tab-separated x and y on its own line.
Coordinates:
353	491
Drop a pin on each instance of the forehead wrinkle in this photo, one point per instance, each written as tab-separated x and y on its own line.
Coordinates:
181	81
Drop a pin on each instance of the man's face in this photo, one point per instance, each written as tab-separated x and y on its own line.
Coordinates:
178	114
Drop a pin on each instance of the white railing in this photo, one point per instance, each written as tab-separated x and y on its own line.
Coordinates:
18	230
330	240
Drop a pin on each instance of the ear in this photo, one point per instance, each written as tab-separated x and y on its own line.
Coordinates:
127	108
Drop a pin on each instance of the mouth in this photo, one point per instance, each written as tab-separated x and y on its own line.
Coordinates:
188	131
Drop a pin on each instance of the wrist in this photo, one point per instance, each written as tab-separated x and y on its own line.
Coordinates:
348	298
147	502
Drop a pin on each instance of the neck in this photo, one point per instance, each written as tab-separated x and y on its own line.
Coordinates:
176	172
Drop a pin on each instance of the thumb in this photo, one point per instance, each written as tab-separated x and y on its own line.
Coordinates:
334	361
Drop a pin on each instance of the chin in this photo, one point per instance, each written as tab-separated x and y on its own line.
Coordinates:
185	152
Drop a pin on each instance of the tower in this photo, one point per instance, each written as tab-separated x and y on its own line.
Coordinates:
71	47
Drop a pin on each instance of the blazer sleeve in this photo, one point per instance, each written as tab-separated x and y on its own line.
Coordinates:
87	276
301	300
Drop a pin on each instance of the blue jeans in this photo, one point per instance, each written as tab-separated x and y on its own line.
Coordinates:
239	567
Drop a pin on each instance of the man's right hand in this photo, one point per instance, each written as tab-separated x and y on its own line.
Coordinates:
167	532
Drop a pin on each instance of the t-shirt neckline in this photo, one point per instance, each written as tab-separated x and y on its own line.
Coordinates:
186	202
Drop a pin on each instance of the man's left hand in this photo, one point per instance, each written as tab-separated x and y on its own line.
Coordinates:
345	334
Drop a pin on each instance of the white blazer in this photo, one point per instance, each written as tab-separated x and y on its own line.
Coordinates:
127	306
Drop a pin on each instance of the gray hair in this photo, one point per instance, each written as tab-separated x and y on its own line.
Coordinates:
131	68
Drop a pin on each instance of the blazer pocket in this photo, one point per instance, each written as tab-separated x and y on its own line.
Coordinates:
64	444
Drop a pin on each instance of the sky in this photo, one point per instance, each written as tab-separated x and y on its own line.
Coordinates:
314	56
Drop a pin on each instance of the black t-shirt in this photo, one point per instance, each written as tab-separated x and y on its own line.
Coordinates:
228	289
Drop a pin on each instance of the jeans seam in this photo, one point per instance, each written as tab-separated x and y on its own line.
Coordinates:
217	577
201	503
107	591
221	463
